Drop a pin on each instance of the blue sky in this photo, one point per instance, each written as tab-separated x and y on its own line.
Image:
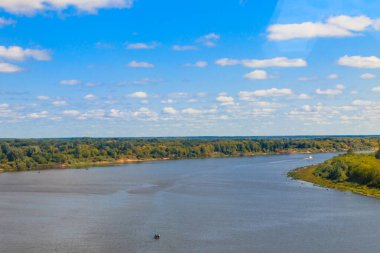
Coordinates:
188	68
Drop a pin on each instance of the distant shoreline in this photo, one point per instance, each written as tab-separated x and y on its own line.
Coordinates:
83	165
43	154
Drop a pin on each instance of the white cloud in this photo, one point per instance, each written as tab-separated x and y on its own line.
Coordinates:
225	100
9	68
361	102
169	110
38	115
168	101
275	62
282	62
357	23
273	92
116	113
16	53
184	48
145	114
72	113
198	64
331	92
209	40
93	114
257	75
303	96
136	64
307	108
71	82
370	62
191	111
227	62
90	97
43	98
333	76
30	7
376	89
264	104
334	27
5	22
307	78
367	76
178	95
142	45
59	103
139	94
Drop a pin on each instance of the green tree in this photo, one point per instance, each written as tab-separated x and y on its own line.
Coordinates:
377	155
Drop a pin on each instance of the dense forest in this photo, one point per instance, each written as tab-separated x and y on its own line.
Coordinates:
29	154
363	169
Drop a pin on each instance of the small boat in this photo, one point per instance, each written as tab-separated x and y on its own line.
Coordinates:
309	157
157	236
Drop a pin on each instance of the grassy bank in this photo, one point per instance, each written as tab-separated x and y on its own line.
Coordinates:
358	163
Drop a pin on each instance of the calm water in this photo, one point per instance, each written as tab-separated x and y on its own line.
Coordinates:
212	205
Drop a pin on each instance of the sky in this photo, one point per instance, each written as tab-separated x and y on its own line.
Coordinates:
139	68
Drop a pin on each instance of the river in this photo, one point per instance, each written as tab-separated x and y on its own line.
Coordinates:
208	205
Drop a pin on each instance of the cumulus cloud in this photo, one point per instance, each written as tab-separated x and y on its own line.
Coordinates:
43	98
367	76
16	53
198	64
137	46
225	100
191	111
184	48
30	7
145	114
303	96
281	62
90	97
38	115
361	102
333	27
59	103
139	94
71	82
273	92
136	64
6	22
72	113
9	68
331	92
376	89
209	40
370	62
257	75
167	101
169	110
227	62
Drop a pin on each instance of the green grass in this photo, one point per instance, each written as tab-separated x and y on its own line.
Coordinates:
311	174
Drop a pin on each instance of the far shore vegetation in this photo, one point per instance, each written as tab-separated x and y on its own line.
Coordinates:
38	154
358	173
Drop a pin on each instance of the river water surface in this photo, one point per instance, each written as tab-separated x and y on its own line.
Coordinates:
207	205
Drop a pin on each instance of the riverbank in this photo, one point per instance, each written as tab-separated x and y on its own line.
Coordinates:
307	174
88	164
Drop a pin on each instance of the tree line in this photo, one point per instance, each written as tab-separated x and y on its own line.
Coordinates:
29	154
